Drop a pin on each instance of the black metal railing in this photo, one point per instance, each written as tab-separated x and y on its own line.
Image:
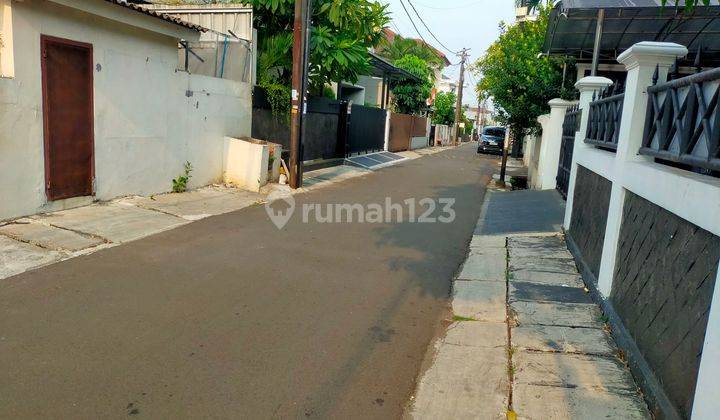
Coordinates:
571	125
604	117
682	128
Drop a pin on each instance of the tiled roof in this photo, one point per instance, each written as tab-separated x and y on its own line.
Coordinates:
159	15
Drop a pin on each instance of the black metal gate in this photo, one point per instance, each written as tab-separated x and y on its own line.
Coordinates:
367	130
570	127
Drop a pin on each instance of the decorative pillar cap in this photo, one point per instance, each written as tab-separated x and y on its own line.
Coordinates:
651	53
559	103
544	118
592	83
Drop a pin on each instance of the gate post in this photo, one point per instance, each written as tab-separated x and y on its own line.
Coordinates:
342	148
587	86
641	60
550	149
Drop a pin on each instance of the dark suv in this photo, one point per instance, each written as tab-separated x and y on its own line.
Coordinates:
491	140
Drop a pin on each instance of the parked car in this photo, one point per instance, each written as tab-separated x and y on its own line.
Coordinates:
491	140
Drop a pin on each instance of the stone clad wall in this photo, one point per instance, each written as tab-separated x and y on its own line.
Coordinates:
589	216
662	289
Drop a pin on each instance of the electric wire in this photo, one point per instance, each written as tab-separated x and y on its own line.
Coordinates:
413	22
428	29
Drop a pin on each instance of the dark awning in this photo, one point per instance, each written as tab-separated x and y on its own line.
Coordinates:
571	31
380	67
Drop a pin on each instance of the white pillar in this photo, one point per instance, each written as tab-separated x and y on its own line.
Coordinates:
387	130
587	86
640	60
550	148
707	403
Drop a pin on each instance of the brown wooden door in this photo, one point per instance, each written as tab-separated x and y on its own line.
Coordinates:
67	81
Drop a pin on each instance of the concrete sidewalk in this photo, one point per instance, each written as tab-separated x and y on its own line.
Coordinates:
526	340
43	239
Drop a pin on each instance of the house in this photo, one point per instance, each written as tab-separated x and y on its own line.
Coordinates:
372	89
446	84
93	105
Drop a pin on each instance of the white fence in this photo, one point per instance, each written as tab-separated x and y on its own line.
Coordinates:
692	197
443	135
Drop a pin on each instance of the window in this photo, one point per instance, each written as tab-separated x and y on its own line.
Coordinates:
494	132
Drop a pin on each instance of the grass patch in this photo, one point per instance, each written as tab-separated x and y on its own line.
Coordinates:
462	318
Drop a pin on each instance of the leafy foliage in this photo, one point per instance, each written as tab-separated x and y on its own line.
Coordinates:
342	32
444	108
399	47
180	183
274	64
469	124
520	80
688	4
410	95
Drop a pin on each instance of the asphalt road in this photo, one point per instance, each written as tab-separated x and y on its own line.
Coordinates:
230	317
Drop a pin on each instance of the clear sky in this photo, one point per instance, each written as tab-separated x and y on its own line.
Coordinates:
457	24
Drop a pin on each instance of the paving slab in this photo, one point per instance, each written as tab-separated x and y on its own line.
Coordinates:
116	222
538	242
543	402
17	257
463	383
480	300
488	242
496	256
49	237
543	277
574	371
534	292
562	339
543	264
545	252
488	265
477	334
198	204
562	314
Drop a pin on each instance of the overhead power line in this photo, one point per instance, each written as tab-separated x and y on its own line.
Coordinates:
428	29
412	21
452	7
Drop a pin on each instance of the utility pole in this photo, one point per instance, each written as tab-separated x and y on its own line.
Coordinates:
301	34
458	105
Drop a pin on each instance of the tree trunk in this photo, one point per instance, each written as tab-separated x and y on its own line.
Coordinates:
517	139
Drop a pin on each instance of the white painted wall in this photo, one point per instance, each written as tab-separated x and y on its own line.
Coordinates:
532	152
149	118
549	154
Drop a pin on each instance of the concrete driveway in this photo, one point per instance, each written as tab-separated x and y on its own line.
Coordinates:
229	317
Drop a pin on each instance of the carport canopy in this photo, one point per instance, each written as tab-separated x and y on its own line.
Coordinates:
380	67
572	28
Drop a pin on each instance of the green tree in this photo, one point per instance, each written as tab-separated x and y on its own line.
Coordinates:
520	80
409	94
469	124
444	112
342	33
399	47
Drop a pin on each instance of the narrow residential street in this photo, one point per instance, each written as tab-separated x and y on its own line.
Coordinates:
229	317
